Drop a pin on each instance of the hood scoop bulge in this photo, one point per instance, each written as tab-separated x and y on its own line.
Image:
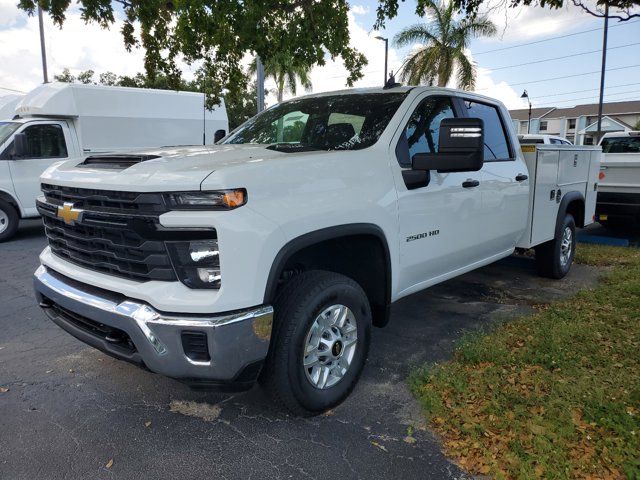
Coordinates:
114	162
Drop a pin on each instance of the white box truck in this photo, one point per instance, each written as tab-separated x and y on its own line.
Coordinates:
57	121
270	255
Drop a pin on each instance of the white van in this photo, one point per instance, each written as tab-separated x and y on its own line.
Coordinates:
58	121
8	105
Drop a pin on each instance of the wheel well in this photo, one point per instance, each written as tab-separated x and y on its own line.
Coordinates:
576	209
11	201
362	257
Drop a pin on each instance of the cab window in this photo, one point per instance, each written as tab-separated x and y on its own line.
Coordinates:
621	145
45	141
496	146
422	132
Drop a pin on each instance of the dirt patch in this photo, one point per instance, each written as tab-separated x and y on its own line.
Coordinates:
205	411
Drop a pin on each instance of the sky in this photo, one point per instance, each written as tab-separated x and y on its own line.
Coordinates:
79	47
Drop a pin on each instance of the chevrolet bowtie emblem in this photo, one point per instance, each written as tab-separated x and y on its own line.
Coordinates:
69	214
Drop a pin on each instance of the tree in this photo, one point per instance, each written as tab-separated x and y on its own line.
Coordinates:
286	73
219	33
86	77
445	40
242	108
64	77
637	125
619	9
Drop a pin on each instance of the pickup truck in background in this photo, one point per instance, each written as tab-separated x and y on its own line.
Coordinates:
58	121
270	255
619	191
536	139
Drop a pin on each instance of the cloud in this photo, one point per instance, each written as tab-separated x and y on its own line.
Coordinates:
359	9
517	24
77	46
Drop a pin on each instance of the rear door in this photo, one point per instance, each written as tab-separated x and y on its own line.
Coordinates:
439	217
504	183
46	143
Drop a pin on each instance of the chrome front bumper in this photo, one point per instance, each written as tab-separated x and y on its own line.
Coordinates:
237	342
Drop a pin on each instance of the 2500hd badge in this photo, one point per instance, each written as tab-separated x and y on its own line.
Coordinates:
418	236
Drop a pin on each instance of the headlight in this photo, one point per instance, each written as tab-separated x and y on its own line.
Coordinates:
218	200
196	263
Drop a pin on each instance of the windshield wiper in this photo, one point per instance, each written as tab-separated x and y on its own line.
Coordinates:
292	147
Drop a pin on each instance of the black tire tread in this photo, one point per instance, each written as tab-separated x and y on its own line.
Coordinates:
14	220
293	295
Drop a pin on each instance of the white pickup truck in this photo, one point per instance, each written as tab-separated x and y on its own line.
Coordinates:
619	192
58	121
270	255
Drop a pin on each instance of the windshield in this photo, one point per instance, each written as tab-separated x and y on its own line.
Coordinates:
620	145
332	122
6	129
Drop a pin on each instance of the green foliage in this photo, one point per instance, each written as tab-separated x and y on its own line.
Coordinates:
242	107
445	40
219	33
553	395
637	125
284	70
389	8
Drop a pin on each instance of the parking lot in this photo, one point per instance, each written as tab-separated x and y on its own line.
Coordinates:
73	412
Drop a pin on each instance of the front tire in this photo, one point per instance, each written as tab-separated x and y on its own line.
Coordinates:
9	220
322	330
554	258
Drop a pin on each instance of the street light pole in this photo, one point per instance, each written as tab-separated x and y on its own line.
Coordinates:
260	84
604	66
386	56
42	48
526	95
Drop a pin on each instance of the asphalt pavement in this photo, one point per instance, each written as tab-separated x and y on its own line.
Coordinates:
71	412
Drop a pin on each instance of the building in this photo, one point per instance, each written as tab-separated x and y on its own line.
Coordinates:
579	124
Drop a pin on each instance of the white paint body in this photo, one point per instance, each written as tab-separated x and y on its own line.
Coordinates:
621	170
292	194
532	138
99	119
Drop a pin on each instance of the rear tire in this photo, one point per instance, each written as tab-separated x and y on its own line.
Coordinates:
9	221
321	319
554	258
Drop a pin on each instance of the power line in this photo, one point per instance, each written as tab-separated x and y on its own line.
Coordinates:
588	90
592	97
562	57
553	38
12	90
565	76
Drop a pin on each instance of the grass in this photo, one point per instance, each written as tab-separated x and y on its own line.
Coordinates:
553	395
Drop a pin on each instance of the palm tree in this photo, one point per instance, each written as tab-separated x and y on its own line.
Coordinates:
445	39
286	73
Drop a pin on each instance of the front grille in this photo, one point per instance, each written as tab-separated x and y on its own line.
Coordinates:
117	234
105	200
116	337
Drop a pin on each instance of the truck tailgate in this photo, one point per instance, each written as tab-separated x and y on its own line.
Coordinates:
621	172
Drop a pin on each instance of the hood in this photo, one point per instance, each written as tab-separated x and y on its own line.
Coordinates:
175	169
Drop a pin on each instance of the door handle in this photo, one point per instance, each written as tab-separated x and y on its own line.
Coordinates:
470	183
521	177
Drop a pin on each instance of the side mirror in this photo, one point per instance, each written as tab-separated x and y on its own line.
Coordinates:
219	135
461	147
20	148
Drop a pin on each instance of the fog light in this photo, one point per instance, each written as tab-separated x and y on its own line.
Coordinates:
209	275
203	250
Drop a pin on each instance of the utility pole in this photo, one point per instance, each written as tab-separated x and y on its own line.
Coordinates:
42	49
386	56
604	66
526	95
260	84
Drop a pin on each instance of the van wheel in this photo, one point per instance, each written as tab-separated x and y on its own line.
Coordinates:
322	329
9	220
554	258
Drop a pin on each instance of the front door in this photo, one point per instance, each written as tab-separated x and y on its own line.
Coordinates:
46	144
439	220
504	184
